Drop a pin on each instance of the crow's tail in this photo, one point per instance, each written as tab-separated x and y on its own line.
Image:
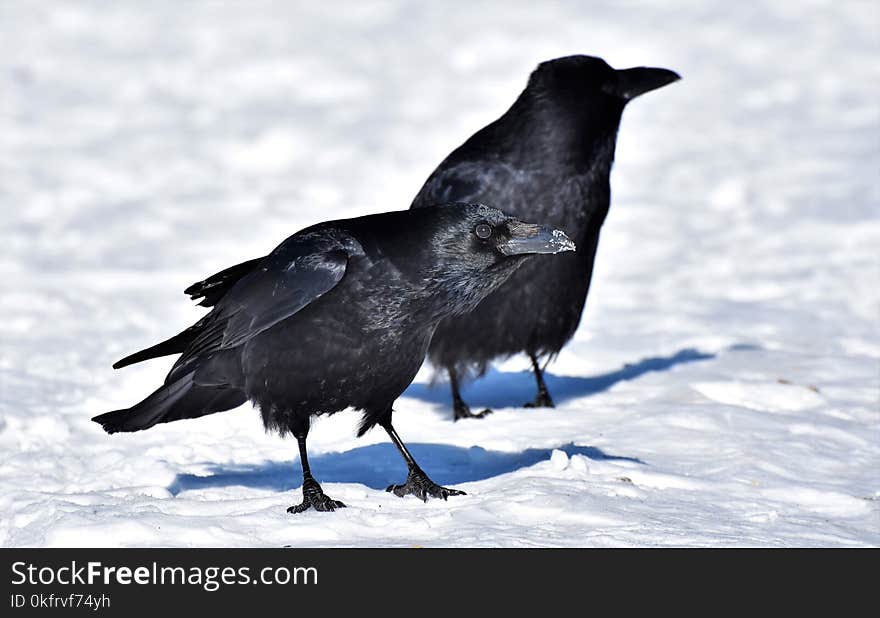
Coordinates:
172	402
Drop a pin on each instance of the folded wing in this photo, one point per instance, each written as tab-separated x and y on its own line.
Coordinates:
207	376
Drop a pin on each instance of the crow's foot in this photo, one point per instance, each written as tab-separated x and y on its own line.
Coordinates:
461	410
419	485
543	400
315	498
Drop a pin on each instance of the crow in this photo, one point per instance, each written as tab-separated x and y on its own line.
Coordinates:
339	315
549	157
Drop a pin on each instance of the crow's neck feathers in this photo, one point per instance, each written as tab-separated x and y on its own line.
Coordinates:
559	132
561	139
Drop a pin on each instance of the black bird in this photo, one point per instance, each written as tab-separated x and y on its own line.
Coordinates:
339	315
548	157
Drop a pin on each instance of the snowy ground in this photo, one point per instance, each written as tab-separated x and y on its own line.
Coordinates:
724	386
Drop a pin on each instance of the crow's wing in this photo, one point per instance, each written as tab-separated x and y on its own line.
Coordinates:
212	289
301	270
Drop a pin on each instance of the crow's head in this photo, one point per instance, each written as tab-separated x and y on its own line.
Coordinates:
587	79
571	108
475	248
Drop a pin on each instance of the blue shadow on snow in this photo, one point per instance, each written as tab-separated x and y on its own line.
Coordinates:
380	465
499	389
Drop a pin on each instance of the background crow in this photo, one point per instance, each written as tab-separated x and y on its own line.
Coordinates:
339	315
548	157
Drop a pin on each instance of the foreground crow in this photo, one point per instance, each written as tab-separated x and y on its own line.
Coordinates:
339	315
548	157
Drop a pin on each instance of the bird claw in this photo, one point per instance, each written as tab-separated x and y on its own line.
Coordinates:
315	498
419	485
543	400
462	410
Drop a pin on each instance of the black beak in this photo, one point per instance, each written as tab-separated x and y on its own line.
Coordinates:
634	82
528	238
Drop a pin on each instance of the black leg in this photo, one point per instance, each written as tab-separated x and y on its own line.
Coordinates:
460	409
543	399
417	482
313	495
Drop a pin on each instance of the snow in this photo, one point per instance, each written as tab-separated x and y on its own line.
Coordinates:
724	385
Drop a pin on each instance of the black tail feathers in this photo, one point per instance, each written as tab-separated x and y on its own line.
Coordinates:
172	402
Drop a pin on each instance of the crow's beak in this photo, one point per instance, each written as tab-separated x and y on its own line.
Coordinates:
634	82
529	238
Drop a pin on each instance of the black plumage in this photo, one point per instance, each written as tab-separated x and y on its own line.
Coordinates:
339	315
548	157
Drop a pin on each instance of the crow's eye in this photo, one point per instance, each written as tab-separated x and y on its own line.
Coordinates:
483	230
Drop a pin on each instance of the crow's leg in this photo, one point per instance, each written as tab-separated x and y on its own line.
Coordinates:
460	409
313	495
543	399
417	482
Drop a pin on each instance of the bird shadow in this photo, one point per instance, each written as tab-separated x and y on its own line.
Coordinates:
380	465
503	389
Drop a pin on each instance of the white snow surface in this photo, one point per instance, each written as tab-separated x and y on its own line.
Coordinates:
723	388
